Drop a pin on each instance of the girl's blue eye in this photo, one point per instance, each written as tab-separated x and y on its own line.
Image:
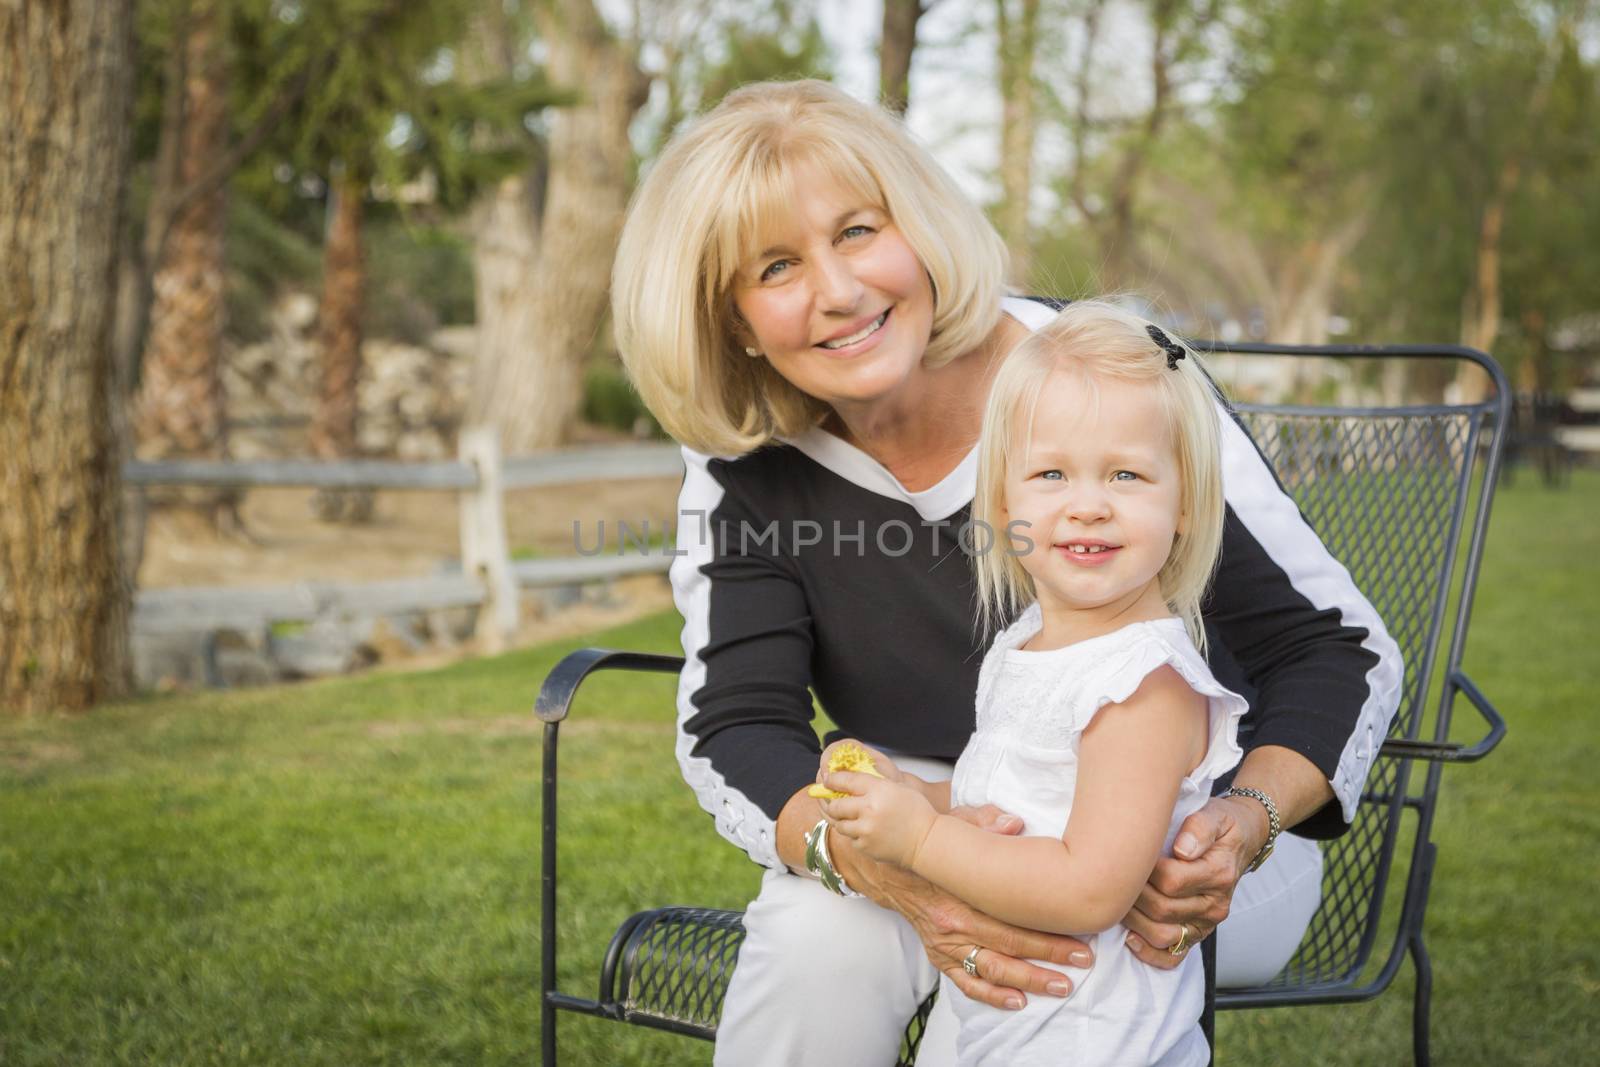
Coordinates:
1125	476
1051	475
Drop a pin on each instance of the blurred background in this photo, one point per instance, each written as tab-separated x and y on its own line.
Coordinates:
336	242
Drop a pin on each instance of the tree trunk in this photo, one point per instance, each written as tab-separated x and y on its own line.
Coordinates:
1303	297
505	228
1534	370
505	244
1018	33
344	275
66	74
894	53
539	387
180	408
344	282
1480	305
1480	319
1117	239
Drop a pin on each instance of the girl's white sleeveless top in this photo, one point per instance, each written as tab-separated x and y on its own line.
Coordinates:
1023	756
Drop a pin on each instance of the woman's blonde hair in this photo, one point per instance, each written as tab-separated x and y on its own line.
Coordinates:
706	207
1101	341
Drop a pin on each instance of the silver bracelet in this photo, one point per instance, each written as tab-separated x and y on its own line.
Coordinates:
820	864
1273	825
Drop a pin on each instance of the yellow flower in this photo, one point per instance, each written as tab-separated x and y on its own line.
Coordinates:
847	757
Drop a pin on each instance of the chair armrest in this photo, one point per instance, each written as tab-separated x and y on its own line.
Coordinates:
561	684
551	707
1453	751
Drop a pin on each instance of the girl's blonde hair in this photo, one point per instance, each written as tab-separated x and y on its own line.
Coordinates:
707	206
1102	341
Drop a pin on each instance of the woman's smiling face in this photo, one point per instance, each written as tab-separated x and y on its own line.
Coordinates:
837	301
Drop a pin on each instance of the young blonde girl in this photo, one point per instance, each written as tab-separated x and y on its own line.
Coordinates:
1098	721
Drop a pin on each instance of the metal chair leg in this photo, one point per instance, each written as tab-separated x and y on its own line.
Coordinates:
547	1033
1422	1001
1208	1015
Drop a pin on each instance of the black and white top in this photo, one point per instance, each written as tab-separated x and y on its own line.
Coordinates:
805	567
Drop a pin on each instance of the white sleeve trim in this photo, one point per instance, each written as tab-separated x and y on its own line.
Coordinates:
737	817
1275	522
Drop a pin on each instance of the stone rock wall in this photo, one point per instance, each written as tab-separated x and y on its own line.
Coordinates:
410	397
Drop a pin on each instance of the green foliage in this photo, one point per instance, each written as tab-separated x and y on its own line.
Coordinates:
419	277
385	101
1397	122
473	135
791	49
263	256
609	399
737	44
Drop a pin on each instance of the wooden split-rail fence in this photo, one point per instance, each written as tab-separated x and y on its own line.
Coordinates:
489	580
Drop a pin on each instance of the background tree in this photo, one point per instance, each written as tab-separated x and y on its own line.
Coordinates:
233	73
357	126
541	293
895	48
66	73
1268	197
1115	128
1017	30
532	390
179	411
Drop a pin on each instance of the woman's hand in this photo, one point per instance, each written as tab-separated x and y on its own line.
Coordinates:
1195	885
949	928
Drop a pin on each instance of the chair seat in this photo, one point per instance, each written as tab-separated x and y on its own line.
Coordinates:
669	967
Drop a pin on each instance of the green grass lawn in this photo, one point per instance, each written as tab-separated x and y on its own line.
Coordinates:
346	872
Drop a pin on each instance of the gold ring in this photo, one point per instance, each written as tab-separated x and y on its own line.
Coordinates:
970	964
1183	944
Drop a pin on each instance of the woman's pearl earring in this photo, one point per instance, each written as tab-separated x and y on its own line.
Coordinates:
752	352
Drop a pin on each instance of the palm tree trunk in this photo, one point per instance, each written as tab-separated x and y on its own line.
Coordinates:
344	279
66	72
344	282
180	411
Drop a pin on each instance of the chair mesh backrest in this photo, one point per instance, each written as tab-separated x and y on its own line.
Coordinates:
679	968
1386	492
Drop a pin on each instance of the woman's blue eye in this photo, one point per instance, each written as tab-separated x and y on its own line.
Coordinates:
774	268
857	229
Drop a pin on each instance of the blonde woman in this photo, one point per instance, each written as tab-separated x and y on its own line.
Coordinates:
806	301
1098	719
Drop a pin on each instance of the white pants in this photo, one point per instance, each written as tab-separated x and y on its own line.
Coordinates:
821	979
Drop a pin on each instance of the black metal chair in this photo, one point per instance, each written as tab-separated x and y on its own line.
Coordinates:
1401	495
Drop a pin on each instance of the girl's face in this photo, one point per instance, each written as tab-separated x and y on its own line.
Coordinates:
1098	485
838	303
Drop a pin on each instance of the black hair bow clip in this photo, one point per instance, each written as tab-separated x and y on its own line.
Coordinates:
1174	350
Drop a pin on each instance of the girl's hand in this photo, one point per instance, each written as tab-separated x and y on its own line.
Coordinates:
888	820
